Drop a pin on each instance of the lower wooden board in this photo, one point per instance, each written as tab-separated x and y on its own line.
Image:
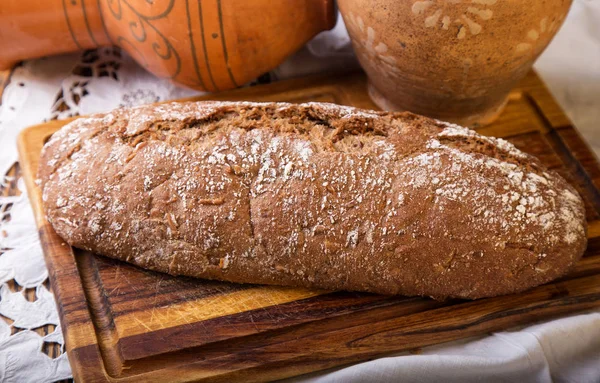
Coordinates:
124	324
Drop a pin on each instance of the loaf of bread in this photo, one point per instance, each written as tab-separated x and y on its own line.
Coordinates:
315	195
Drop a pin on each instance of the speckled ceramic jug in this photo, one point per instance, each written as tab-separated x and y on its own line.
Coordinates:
204	44
454	60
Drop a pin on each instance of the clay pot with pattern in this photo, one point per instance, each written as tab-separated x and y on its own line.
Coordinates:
455	60
205	44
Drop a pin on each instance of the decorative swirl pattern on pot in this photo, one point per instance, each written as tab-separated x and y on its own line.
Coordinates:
469	22
548	26
374	49
140	21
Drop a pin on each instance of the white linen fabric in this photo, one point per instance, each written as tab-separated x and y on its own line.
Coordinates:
563	350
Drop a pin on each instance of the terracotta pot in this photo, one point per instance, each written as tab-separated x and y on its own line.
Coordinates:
209	44
454	60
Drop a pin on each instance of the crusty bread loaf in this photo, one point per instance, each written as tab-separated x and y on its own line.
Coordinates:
314	195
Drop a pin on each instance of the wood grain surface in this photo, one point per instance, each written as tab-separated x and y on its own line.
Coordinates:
124	324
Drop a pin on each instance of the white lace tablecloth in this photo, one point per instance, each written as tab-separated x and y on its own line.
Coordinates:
563	350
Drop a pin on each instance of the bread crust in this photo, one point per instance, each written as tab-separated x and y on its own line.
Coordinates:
315	195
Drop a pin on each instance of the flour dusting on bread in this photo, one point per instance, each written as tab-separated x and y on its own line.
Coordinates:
316	195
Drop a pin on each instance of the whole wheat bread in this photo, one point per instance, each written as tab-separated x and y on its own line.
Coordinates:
314	195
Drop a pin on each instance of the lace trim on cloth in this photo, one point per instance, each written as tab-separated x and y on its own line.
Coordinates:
26	305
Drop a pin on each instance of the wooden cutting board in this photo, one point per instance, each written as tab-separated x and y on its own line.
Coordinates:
124	324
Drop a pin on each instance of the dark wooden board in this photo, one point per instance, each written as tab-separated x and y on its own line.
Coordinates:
124	324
